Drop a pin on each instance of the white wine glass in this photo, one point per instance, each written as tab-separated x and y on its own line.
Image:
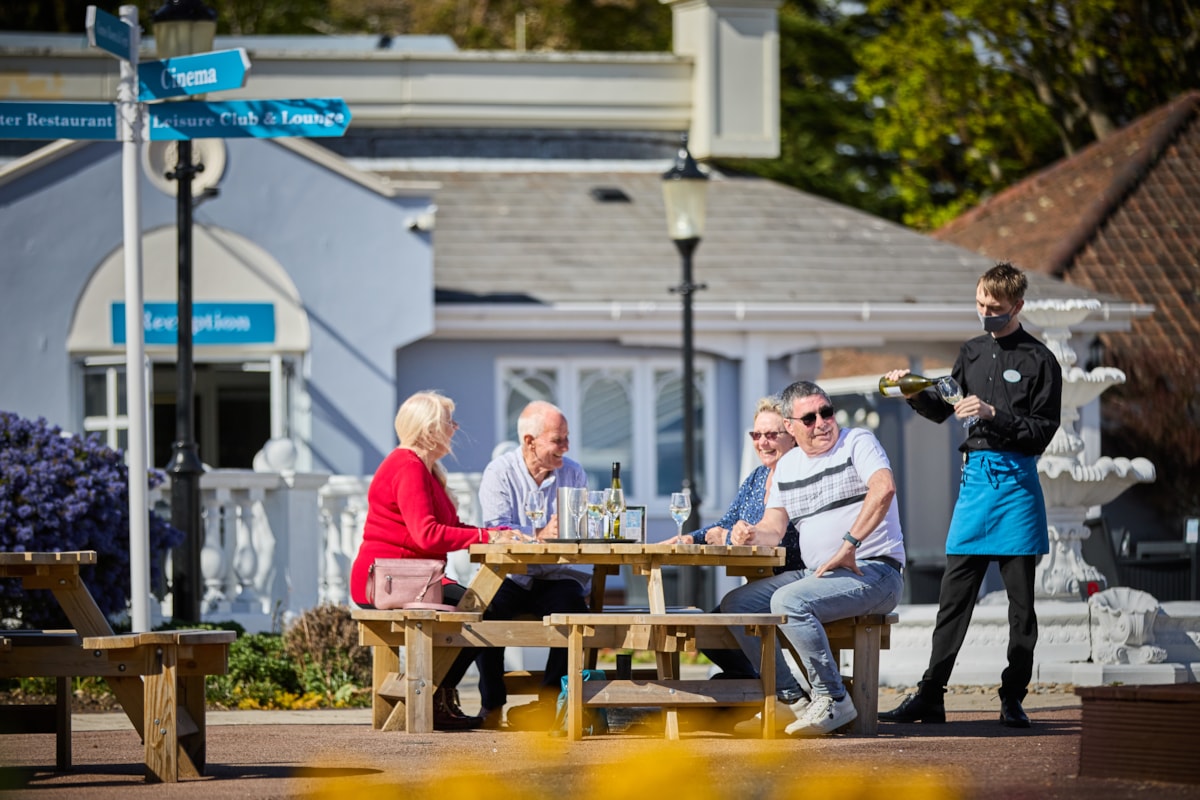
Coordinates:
535	509
596	510
681	509
952	393
615	501
577	510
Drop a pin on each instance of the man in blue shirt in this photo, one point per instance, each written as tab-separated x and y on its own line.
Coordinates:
538	464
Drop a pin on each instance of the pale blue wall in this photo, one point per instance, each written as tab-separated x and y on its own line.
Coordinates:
365	279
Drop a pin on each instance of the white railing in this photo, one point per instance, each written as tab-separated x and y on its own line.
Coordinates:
278	543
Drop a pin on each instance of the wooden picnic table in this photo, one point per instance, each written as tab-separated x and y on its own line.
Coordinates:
497	561
433	638
157	677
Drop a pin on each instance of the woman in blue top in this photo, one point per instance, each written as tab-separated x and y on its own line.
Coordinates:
771	441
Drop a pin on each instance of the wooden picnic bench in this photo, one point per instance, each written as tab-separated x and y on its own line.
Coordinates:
29	647
158	676
667	635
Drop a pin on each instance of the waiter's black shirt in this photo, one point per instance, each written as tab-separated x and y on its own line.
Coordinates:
1016	374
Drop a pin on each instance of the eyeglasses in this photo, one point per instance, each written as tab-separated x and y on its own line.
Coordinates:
808	419
770	436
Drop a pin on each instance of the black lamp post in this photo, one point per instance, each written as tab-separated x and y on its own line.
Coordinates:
685	190
182	28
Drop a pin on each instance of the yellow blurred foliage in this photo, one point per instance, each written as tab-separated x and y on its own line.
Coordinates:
659	771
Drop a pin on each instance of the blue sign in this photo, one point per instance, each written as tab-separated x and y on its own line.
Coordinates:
260	119
109	33
212	323
186	75
58	121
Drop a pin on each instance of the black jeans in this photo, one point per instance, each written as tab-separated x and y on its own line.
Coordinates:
956	603
511	601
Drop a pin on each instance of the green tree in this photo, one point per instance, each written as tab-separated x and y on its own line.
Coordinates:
972	95
827	146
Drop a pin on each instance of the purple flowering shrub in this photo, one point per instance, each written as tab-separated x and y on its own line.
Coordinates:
65	492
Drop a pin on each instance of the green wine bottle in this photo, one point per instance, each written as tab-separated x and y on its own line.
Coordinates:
904	386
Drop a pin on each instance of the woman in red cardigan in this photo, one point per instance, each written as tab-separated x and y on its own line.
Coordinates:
411	514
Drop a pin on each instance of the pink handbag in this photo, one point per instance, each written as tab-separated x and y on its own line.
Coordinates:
406	583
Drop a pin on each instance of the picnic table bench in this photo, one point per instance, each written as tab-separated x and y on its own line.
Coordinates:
157	676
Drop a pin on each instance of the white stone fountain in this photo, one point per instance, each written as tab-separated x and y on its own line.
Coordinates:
1071	486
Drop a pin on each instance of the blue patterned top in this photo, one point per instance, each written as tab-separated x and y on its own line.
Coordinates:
749	505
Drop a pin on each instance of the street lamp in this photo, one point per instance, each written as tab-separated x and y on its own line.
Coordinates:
685	190
182	28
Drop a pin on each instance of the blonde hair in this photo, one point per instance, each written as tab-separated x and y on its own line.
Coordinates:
421	423
768	403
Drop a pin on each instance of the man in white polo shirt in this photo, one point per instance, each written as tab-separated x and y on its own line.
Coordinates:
836	488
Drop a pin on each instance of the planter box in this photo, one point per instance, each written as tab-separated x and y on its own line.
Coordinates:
1140	732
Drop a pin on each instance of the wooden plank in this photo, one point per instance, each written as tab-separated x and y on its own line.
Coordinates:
161	739
673	693
71	558
385	664
420	687
575	685
192	726
62	724
766	672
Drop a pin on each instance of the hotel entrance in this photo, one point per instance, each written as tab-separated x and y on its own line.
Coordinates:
233	413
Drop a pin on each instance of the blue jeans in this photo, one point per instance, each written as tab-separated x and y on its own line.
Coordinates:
755	598
810	601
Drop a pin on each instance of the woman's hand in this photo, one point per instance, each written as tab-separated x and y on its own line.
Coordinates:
715	535
506	536
743	533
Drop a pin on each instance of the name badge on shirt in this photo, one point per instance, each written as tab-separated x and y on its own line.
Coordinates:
1012	376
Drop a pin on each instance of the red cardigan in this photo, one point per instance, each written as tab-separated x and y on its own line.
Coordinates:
409	515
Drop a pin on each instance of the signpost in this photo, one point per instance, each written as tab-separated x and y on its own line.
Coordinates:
188	75
58	121
109	33
259	119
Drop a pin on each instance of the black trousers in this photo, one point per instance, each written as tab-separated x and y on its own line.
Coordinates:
956	602
512	601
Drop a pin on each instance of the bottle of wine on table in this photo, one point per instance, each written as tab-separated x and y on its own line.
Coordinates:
616	484
903	387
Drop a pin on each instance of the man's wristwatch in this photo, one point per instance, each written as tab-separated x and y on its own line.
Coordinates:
856	542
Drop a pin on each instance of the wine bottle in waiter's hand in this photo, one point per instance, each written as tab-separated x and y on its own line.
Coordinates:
616	484
904	386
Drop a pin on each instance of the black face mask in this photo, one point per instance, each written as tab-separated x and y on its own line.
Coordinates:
995	324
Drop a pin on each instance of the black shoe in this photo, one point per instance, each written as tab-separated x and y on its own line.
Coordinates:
917	708
1012	715
447	716
493	718
536	716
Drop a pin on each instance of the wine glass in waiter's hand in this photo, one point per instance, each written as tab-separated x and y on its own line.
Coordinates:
952	393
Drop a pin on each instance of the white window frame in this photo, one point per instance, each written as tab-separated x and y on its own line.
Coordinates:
110	424
645	451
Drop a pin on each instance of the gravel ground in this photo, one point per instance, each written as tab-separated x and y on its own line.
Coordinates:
331	754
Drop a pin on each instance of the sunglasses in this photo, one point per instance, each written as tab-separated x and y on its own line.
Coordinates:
808	419
770	436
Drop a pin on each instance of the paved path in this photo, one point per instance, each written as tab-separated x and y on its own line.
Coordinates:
333	754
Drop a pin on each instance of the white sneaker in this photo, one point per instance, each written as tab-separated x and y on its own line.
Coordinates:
785	714
823	716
